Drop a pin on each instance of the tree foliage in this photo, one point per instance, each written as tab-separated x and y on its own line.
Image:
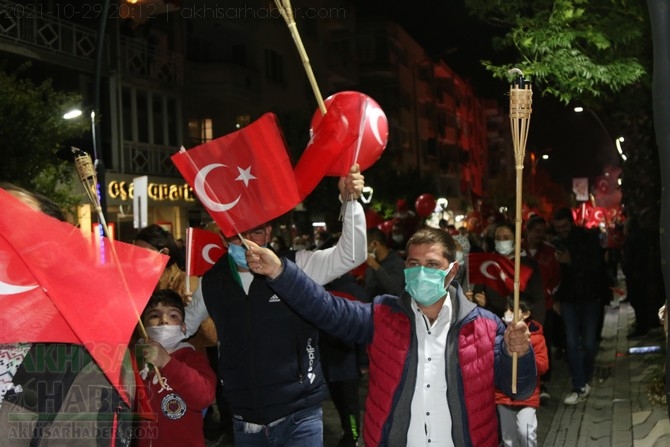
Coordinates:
32	133
571	49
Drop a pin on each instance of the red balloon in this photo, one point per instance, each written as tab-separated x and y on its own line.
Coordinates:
372	218
366	121
425	205
386	227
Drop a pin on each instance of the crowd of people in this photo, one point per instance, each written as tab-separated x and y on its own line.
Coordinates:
272	330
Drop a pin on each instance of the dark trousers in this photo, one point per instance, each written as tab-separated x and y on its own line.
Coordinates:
344	395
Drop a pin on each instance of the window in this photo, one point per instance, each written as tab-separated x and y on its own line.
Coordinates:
242	120
158	120
200	130
150	117
274	67
142	117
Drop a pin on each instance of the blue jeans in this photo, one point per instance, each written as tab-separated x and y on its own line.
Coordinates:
581	339
303	428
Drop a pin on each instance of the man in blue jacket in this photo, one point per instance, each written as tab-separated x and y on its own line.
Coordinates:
435	357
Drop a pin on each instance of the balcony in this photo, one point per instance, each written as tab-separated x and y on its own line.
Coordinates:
139	59
147	159
28	31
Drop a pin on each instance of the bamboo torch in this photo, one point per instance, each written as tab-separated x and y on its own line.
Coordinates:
89	181
520	101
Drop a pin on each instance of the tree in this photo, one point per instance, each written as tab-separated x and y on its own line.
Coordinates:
32	133
571	49
589	52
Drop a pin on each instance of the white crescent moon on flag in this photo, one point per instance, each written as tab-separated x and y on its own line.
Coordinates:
199	185
375	114
484	269
205	252
11	289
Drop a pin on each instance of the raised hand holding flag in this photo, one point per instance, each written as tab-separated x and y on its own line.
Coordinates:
254	180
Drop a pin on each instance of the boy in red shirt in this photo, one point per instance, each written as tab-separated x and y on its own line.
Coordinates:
188	382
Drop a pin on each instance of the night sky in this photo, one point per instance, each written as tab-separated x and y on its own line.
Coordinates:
578	145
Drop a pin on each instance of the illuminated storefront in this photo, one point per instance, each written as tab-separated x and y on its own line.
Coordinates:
171	204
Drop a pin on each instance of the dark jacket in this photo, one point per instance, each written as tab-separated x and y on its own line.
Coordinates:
268	355
584	277
387	324
61	397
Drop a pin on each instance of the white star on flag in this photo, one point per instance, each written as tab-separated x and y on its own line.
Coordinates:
245	175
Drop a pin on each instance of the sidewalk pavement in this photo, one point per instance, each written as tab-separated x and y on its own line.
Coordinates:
618	411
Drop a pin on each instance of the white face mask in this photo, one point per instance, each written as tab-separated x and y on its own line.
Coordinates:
505	248
169	336
508	316
460	257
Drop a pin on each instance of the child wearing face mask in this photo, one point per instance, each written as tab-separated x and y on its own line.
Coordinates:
518	419
495	302
188	382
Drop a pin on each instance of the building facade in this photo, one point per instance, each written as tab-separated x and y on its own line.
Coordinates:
180	73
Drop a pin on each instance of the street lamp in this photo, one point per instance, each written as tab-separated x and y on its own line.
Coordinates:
534	160
71	114
580	109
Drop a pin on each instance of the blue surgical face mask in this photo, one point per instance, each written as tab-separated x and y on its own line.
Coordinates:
239	255
426	285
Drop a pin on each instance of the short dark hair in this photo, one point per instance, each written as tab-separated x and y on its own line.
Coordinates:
375	234
511	227
525	301
535	221
166	297
157	237
47	206
563	213
428	235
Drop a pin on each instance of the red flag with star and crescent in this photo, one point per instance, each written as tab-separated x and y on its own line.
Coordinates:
244	179
203	249
496	271
57	287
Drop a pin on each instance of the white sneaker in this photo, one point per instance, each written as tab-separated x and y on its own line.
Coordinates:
576	397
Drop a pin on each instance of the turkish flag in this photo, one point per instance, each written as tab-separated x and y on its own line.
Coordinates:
56	286
203	249
245	178
496	271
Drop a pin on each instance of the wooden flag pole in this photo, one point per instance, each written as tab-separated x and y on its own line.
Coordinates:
89	180
520	101
287	13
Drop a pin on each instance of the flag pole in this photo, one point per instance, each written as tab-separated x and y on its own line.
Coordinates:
86	171
520	100
189	243
286	11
